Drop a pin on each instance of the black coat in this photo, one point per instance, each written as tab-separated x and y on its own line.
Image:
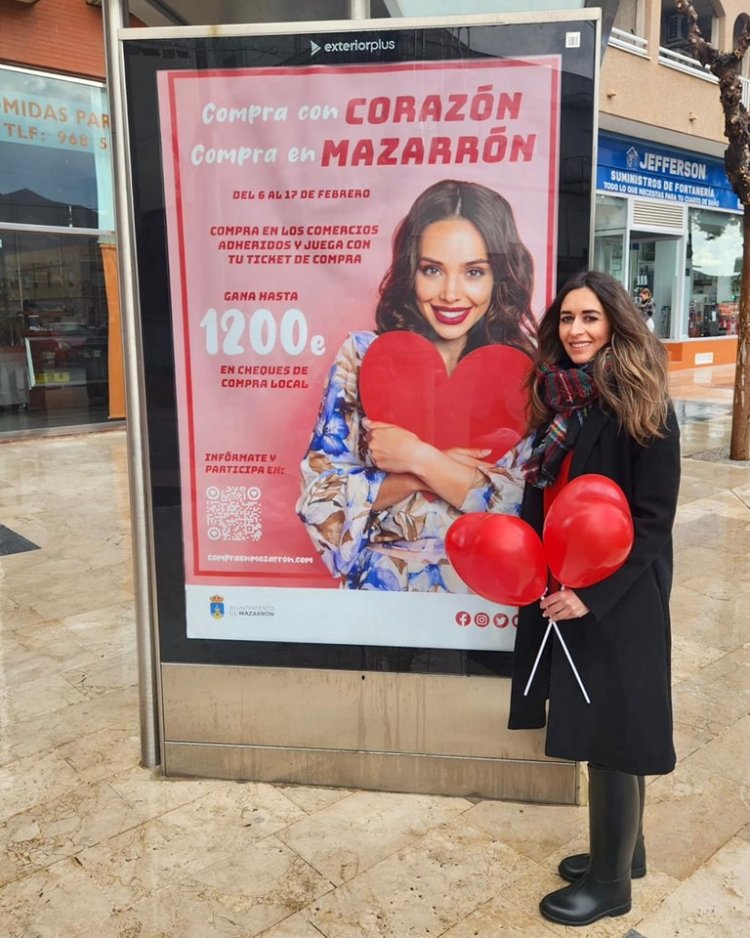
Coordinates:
622	646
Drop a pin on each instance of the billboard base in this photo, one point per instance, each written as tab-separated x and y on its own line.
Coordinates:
421	733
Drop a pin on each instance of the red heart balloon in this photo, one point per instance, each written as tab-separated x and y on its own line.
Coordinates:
588	531
458	540
594	485
500	557
481	404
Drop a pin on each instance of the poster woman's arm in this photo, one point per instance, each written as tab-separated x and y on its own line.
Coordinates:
395	487
500	487
450	475
338	489
400	485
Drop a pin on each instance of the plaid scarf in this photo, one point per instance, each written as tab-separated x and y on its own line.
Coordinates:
569	393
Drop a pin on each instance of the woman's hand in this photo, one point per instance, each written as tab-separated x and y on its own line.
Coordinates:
392	448
396	451
474	458
564	604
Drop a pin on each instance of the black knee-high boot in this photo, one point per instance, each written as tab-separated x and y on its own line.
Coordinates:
614	810
574	867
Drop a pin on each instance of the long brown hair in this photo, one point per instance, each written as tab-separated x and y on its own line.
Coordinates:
630	373
509	319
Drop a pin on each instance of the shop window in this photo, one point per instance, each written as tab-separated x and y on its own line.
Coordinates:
54	152
54	313
53	330
609	236
714	265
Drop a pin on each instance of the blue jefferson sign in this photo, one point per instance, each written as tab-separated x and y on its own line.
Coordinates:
627	166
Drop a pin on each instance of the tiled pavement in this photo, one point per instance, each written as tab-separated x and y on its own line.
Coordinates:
94	846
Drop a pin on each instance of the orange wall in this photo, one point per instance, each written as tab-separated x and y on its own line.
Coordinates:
53	35
682	354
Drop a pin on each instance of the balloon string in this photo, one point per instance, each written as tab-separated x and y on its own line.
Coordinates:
553	625
538	658
570	662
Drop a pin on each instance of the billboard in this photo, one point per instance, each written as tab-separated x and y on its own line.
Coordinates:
406	184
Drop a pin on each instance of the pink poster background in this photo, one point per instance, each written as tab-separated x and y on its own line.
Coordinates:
247	195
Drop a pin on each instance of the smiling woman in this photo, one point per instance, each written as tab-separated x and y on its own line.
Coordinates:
600	407
453	284
377	499
584	326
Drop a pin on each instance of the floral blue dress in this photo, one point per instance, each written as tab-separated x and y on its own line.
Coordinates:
401	547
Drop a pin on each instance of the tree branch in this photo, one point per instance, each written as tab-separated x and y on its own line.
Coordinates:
702	49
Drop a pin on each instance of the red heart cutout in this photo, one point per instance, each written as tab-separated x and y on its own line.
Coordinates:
481	404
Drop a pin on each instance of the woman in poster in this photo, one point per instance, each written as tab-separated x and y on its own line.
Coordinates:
376	500
600	404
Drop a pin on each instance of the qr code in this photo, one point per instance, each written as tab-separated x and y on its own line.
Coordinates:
233	513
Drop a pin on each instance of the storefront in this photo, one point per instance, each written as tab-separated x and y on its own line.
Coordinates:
668	220
58	282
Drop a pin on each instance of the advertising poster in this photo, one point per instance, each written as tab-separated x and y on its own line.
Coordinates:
284	188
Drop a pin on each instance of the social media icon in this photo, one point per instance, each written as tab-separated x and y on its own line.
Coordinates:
463	619
500	620
482	620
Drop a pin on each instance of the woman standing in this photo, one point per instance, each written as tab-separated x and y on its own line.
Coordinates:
600	404
377	500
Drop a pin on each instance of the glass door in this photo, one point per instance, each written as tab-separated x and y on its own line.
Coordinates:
653	276
609	236
53	331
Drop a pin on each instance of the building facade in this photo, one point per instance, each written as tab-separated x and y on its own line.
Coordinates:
60	351
666	217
